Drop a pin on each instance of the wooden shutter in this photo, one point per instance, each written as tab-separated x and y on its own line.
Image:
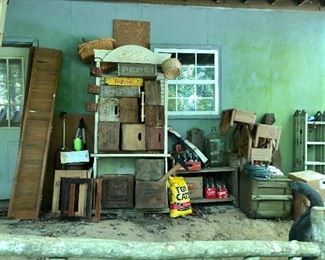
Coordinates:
35	136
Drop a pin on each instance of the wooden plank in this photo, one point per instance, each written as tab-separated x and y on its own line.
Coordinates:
122	81
137	70
126	32
46	63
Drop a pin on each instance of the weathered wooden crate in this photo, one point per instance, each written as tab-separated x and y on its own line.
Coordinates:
109	109
118	191
265	198
195	187
137	70
152	90
154	115
151	195
129	110
118	91
133	137
315	180
149	169
155	138
108	136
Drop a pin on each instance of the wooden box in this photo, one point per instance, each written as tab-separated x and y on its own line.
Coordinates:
118	191
149	169
315	180
195	187
265	198
133	137
117	91
109	109
154	138
151	195
108	136
154	115
260	154
137	70
152	92
231	116
129	110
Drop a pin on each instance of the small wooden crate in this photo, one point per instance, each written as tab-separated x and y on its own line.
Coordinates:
195	187
129	110
154	115
149	169
152	90
117	91
118	191
137	70
231	116
108	136
151	195
133	137
265	198
154	138
59	174
109	109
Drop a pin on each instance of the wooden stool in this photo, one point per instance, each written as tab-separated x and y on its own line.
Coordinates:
271	134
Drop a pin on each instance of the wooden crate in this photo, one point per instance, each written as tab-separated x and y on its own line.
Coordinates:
195	187
231	116
117	91
315	180
133	137
154	138
151	195
149	169
265	198
108	136
59	174
129	110
118	191
154	115
152	90
137	70
109	109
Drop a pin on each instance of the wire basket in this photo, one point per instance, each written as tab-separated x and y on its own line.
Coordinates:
86	49
171	68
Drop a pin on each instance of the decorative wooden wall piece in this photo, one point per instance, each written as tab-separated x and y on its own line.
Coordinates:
108	136
129	110
35	136
133	137
127	32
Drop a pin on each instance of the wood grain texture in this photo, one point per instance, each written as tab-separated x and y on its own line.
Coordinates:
35	136
127	32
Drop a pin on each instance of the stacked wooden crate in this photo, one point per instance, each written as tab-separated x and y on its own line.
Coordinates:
255	142
131	126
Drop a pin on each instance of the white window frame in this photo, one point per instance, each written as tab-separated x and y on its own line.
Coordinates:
216	81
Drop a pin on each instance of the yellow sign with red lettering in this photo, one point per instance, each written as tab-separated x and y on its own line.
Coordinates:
120	81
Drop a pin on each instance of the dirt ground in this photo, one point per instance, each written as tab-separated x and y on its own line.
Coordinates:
214	222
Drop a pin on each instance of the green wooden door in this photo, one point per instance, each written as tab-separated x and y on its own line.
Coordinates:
13	73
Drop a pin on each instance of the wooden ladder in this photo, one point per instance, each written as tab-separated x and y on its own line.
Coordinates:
34	140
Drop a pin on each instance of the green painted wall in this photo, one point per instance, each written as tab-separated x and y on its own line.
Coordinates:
271	61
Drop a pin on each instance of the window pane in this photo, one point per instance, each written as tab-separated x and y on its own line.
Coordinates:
187	58
16	115
187	72
205	73
205	59
3	116
171	104
185	90
205	90
171	90
3	70
15	70
185	105
3	93
205	105
16	93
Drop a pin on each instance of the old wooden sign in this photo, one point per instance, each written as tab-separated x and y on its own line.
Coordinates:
120	81
137	70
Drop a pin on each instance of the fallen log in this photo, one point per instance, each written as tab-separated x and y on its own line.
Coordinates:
38	246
